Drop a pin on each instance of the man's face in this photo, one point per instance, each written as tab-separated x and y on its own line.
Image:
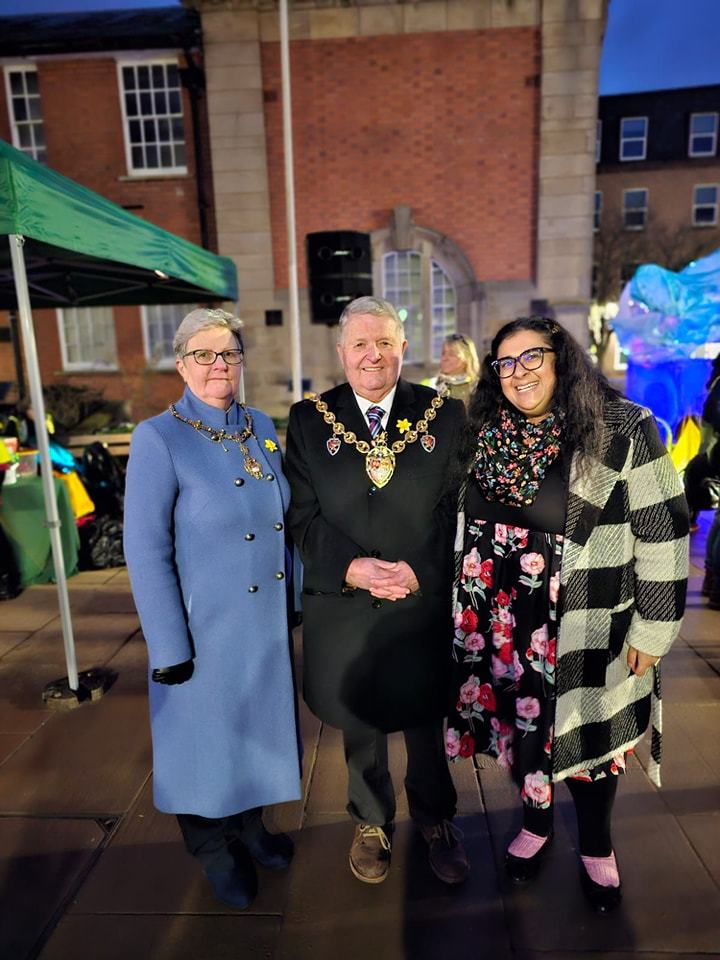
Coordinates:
371	353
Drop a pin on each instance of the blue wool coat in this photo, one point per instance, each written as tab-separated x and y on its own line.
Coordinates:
205	549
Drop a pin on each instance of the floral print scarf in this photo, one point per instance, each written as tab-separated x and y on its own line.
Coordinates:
513	455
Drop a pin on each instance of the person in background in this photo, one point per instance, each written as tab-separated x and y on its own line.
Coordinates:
206	552
570	585
459	368
710	444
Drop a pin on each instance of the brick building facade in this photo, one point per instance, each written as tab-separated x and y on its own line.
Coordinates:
458	134
71	96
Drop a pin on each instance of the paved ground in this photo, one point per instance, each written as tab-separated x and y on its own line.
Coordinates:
89	871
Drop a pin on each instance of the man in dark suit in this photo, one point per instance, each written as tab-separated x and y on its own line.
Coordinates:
372	466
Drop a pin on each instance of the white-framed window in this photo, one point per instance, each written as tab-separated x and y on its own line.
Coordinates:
598	141
633	138
152	111
597	210
25	111
425	298
159	323
705	205
635	208
87	338
703	135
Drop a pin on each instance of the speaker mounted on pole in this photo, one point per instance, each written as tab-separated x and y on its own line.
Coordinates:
339	270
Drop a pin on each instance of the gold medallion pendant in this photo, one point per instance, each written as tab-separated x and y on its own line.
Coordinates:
380	464
253	467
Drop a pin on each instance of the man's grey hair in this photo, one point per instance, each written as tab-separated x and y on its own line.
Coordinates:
205	318
376	307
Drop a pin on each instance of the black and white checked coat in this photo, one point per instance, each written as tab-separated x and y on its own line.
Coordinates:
623	580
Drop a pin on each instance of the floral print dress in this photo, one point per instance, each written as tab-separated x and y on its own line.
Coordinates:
504	648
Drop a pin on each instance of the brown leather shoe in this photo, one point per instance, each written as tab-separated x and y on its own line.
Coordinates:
370	853
446	853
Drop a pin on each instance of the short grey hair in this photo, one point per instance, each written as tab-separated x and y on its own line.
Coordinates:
204	318
376	307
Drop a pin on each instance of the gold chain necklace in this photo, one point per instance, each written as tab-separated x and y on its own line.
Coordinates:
379	458
252	466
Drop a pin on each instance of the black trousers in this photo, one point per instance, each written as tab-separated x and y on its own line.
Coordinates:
209	839
429	787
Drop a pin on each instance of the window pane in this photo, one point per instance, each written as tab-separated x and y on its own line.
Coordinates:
16	82
180	157
706	194
25	135
173	77
635	198
128	75
34	105
131	105
166	157
135	132
174	102
632	148
20	109
704	122
163	130
143	76
31	81
160	103
138	160
705	214
704	145
634	127
158	75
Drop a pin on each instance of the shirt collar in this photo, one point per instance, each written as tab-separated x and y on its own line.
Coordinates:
386	403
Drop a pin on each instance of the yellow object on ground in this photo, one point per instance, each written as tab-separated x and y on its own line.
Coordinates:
80	501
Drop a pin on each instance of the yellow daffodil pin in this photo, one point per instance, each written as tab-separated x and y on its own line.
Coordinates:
271	446
403	425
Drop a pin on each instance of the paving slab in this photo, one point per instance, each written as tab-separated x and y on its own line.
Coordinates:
32	609
146	870
686	678
699	623
181	937
9	743
91	761
670	902
41	861
10	639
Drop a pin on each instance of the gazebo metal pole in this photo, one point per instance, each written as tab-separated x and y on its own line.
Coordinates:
295	346
36	398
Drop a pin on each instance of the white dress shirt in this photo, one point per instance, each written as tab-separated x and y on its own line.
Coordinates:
386	403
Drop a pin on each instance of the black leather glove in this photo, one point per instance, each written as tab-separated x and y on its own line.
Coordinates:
178	673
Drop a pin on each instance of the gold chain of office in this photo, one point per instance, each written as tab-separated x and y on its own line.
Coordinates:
379	458
251	465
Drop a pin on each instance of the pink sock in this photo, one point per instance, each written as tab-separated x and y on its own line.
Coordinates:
602	870
526	844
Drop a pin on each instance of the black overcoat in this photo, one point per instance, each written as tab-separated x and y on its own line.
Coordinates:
379	662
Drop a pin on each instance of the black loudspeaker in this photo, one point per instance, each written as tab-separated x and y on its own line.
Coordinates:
339	270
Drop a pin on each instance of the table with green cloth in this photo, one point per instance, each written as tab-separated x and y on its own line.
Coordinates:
22	515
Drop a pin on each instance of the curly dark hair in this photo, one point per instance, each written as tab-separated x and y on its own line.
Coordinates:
581	391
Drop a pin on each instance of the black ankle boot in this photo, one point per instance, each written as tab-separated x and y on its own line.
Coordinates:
271	850
602	899
238	885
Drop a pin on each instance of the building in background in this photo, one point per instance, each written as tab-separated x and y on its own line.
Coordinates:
658	188
458	136
115	101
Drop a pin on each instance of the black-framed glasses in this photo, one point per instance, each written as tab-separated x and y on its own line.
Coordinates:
531	359
207	357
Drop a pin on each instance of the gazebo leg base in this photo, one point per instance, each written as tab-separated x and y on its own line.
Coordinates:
92	684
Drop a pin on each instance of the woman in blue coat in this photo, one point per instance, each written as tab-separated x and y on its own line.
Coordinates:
205	548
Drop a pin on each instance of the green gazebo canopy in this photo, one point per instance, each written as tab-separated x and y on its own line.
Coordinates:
83	250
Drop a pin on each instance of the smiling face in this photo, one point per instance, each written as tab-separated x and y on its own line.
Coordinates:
452	361
529	391
217	383
371	354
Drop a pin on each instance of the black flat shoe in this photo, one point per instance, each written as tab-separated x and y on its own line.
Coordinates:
601	899
522	869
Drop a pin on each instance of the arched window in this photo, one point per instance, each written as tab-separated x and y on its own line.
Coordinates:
425	296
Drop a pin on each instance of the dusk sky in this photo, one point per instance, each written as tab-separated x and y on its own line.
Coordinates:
649	44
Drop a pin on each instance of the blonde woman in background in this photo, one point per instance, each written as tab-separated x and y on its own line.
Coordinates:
459	368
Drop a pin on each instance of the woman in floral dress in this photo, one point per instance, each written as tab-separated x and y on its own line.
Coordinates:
570	585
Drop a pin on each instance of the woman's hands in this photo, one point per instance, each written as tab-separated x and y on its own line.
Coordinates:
177	673
639	661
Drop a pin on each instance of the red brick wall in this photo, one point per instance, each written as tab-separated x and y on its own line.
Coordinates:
444	122
83	127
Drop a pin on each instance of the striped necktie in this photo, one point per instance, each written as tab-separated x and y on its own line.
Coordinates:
375	415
